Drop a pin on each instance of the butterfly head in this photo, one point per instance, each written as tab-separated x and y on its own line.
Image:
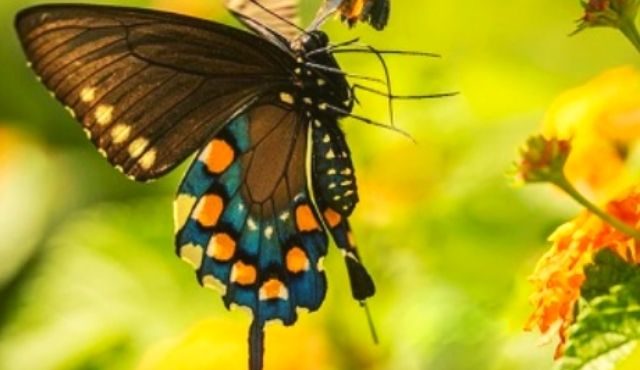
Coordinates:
315	40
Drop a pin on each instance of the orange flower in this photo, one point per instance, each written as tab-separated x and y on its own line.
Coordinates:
607	12
602	119
559	274
542	160
222	344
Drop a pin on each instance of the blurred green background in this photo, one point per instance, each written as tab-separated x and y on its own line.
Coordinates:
88	275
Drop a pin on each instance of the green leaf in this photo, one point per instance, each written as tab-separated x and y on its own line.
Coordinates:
607	324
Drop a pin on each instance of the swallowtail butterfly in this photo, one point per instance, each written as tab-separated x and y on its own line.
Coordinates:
272	178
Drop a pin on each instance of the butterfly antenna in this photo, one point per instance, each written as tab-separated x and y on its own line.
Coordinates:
387	76
372	325
364	50
370	122
405	97
337	71
256	345
278	16
331	47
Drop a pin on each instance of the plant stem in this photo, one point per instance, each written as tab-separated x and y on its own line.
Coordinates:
628	28
565	185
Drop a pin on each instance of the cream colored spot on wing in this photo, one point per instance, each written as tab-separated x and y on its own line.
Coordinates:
192	254
211	282
286	98
103	152
252	224
137	147
120	133
148	159
237	307
330	154
88	94
182	207
87	132
268	232
104	114
71	111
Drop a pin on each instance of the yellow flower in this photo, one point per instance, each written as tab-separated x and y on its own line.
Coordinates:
602	118
222	344
198	8
559	274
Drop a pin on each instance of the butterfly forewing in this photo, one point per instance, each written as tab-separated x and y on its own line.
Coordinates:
148	87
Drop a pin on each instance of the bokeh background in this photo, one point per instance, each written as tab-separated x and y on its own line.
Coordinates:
88	274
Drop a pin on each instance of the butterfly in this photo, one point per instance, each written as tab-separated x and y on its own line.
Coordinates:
374	12
272	179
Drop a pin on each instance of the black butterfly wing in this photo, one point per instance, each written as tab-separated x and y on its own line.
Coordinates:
245	217
264	12
148	87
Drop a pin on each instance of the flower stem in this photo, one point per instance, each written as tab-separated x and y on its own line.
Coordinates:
565	185
628	28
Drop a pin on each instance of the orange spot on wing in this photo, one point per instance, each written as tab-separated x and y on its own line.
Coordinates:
273	289
221	247
218	156
209	209
332	217
297	260
243	274
305	219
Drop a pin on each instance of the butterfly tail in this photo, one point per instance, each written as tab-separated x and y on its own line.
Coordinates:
362	286
256	345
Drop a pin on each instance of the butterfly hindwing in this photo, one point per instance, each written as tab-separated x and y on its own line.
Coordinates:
245	218
148	87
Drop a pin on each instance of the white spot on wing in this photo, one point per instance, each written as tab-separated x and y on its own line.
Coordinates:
70	110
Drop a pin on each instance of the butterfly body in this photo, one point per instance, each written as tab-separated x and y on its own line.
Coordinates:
272	178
